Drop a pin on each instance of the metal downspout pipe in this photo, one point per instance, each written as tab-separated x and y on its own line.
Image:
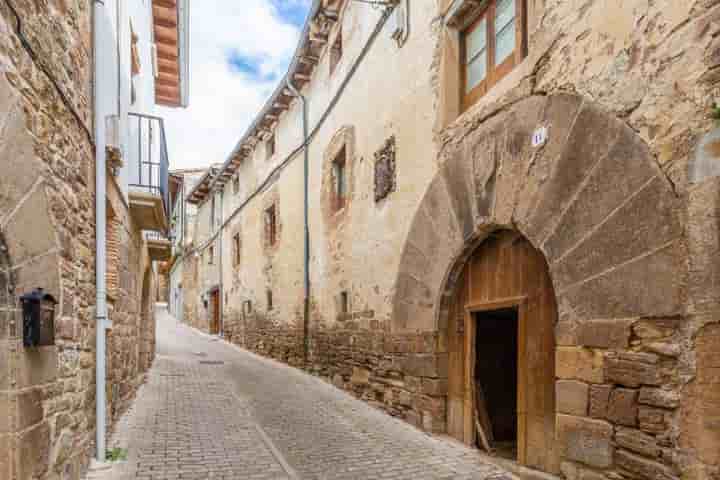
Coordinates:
306	174
221	302
100	230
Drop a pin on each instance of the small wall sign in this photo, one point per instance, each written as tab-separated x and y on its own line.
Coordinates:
540	137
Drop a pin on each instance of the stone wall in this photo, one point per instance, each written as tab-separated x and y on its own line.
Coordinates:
131	340
401	374
46	216
47	394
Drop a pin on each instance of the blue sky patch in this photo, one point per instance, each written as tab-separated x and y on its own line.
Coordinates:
292	11
251	66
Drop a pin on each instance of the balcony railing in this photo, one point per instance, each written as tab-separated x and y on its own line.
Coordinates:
150	155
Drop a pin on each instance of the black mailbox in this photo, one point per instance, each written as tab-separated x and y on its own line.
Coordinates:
38	318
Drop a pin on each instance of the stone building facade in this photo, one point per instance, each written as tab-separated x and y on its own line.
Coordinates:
47	236
581	157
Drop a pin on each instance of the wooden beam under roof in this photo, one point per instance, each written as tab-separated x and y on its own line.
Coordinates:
165	22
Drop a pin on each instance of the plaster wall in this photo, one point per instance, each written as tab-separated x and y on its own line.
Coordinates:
358	250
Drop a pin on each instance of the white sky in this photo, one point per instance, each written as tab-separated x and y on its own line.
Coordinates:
239	50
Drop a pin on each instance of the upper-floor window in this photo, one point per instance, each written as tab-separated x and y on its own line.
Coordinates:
344	303
236	184
211	255
339	179
271	225
336	50
270	146
492	46
269	298
236	249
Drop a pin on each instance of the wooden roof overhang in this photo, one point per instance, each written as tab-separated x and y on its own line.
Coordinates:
313	39
202	188
167	26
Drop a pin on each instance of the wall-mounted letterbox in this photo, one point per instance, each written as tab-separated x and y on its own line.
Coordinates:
38	318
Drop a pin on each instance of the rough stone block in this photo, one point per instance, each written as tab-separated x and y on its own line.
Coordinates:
652	420
637	441
424	365
21	166
654	329
6	456
631	372
585	440
658	397
579	364
652	285
5	413
29	408
435	387
5	373
37	366
30	233
623	408
360	376
599	400
566	333
604	333
642	467
630	232
666	349
34	452
571	397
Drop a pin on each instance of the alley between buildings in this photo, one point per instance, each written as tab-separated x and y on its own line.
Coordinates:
212	410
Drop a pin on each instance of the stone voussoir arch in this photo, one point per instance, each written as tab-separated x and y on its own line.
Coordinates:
592	199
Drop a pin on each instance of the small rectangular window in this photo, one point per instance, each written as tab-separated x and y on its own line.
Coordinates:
344	303
339	179
271	225
236	249
211	255
270	146
269	296
236	184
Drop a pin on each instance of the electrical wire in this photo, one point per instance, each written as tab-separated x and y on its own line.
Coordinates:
275	172
34	57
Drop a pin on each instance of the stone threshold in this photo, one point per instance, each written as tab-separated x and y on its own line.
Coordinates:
519	472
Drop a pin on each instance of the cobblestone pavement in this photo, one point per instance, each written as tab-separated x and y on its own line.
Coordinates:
211	410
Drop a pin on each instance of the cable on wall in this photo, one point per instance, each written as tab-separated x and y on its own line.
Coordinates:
275	172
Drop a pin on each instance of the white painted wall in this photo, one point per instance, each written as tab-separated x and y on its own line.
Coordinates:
115	100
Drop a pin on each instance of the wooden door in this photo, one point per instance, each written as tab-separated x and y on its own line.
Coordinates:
507	272
215	312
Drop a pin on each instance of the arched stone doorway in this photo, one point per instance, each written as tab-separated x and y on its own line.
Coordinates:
594	204
501	345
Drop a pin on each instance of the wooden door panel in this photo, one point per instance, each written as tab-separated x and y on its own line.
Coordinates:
506	268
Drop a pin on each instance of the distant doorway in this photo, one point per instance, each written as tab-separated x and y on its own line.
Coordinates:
496	374
214	326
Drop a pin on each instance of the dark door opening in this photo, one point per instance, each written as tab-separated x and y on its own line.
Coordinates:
214	326
496	378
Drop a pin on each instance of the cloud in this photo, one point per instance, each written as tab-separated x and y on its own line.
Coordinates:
239	50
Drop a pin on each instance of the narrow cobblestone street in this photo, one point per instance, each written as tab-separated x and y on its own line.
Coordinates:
210	410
